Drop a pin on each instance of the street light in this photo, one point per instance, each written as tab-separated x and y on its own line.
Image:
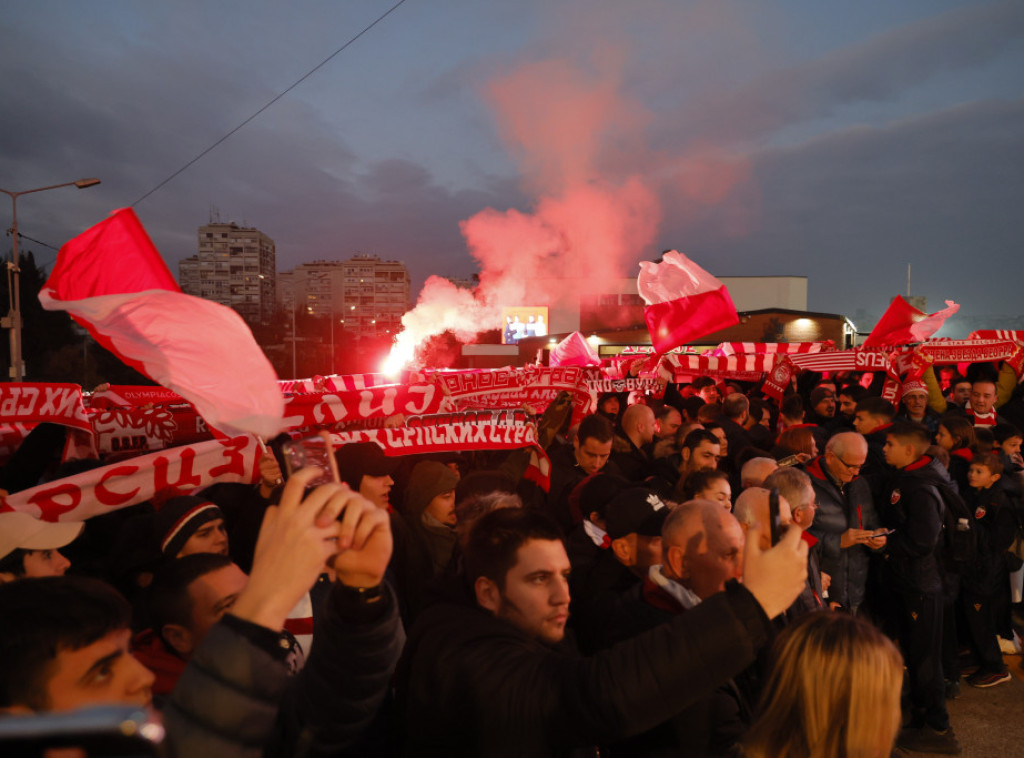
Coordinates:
13	320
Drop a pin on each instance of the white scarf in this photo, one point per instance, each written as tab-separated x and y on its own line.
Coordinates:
683	596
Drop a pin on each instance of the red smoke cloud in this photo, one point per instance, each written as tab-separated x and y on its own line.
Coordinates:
571	131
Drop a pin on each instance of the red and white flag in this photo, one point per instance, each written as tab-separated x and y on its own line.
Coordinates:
574	350
113	281
684	302
902	323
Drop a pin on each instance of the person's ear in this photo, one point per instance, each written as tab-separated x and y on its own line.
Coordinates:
488	596
179	638
674	555
623	551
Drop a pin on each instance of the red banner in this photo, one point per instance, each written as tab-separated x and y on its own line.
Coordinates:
119	485
131	431
443	438
650	384
534	386
745	368
341	410
771	348
133	396
23	403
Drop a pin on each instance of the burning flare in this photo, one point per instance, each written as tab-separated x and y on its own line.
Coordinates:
442	307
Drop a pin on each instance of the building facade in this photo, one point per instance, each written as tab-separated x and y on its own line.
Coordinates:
368	296
235	266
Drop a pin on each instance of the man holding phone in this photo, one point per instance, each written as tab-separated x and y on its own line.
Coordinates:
846	523
237	691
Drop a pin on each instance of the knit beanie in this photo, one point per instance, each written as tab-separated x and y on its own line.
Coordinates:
428	480
818	394
179	518
359	459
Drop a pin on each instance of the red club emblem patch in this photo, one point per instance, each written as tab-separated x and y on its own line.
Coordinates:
895	498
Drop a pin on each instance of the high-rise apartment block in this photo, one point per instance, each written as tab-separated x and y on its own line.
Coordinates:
368	296
236	266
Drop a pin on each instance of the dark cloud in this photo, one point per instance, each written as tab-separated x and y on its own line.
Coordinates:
850	210
880	68
387	149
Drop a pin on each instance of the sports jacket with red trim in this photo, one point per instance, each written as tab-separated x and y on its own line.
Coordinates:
914	509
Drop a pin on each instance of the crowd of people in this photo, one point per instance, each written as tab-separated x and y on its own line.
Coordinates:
707	573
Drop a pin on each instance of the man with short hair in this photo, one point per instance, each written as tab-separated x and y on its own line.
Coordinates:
753	508
64	640
846	520
987	394
64	643
701	550
849	396
186	598
667	422
735	412
756	470
959	391
795	486
913	574
700	451
484	673
631	453
706	388
872	419
590	453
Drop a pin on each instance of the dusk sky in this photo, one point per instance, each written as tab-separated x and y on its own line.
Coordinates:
838	141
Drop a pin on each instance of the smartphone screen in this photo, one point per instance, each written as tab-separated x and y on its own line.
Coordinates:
316	451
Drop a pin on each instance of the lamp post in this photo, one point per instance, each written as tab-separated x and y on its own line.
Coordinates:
13	320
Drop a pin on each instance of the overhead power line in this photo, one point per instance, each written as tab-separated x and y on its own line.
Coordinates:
299	81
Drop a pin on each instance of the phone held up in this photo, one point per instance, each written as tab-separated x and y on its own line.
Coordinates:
316	451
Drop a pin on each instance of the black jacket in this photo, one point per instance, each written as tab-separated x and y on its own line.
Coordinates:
839	510
565	475
471	684
878	474
710	726
996	527
914	509
236	696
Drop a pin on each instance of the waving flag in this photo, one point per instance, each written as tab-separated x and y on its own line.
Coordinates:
574	350
902	323
113	281
684	302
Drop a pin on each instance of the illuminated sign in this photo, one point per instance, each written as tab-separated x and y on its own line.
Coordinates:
522	322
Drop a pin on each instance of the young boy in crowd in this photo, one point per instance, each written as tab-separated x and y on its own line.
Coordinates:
996	528
1009	439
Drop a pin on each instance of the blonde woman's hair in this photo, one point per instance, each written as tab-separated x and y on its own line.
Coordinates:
834	692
